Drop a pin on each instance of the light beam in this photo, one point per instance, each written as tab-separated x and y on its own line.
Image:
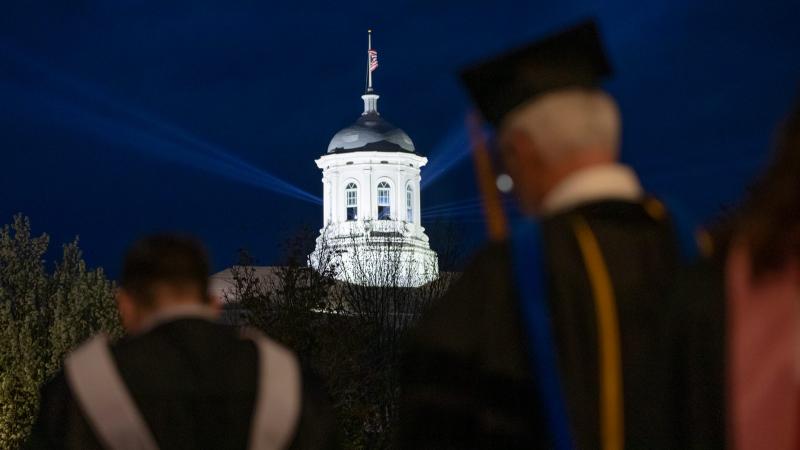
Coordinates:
141	131
450	150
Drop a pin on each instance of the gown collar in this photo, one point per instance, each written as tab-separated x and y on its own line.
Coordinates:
178	312
612	181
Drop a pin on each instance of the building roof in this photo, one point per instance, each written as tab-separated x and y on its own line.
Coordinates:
371	132
222	285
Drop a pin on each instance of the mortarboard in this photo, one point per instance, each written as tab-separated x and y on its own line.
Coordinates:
573	57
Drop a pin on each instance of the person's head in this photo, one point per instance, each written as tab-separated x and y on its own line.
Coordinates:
550	137
159	272
769	221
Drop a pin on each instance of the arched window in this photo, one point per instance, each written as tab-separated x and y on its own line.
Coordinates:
384	201
351	201
409	204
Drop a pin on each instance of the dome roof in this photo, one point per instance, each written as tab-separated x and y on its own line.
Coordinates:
371	132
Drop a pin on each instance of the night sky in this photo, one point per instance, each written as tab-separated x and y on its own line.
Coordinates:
126	117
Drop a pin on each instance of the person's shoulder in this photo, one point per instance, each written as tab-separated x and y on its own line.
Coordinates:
55	401
620	223
213	352
190	332
55	390
198	337
610	209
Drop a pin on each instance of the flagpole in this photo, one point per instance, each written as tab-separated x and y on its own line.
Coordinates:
369	72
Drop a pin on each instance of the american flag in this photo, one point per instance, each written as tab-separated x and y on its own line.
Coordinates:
373	59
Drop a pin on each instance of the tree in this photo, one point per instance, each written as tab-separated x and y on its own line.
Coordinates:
43	315
351	332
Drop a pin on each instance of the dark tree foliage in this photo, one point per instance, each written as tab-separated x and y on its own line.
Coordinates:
350	334
44	313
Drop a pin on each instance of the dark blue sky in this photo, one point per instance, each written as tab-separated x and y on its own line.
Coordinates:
120	118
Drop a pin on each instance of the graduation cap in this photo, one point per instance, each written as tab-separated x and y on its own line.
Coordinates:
573	57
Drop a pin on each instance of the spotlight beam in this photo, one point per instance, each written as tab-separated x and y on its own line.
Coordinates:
450	150
473	204
186	148
460	203
120	134
453	148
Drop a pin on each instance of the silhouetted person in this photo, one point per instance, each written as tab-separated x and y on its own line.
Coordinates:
549	338
179	380
736	323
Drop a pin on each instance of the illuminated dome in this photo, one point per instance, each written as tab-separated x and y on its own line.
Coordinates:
371	204
371	132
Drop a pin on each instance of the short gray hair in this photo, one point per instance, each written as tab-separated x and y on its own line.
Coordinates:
566	122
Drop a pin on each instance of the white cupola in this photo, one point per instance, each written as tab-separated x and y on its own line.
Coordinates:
371	213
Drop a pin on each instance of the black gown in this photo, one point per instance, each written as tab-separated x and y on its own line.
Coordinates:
696	355
194	383
466	377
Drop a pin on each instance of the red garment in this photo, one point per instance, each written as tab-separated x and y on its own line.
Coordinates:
763	339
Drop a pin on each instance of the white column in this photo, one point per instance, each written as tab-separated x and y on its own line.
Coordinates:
370	202
417	201
334	203
399	191
326	199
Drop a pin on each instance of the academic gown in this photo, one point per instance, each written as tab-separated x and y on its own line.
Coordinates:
194	382
696	356
467	381
702	349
